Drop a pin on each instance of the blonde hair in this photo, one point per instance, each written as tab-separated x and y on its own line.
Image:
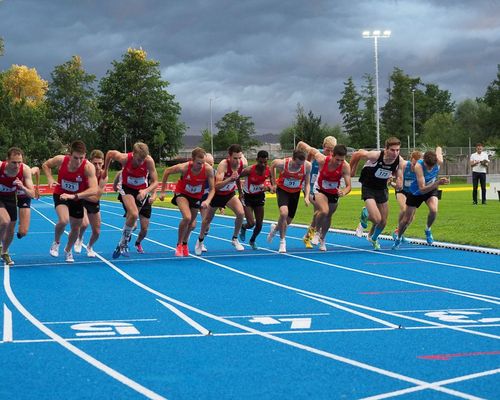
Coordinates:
329	141
141	149
96	154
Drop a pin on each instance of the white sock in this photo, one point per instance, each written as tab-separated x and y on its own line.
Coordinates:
127	231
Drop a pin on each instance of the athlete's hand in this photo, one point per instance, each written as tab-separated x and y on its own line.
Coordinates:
443	181
67	196
235	176
141	195
51	183
162	196
307	201
204	205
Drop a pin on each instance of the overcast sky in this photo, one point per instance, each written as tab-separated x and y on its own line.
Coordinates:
262	57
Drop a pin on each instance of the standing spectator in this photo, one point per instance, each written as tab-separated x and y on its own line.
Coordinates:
479	163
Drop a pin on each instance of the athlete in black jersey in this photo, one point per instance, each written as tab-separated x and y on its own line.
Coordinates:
379	167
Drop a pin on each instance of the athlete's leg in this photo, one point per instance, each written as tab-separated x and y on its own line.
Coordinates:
185	222
234	204
24	215
63	219
432	202
75	224
85	224
259	218
95	224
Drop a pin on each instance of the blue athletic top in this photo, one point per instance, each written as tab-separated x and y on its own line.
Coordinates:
314	171
429	176
408	177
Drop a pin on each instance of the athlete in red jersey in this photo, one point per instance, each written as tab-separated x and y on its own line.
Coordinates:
188	194
254	198
92	209
226	182
14	175
326	190
76	181
295	172
24	204
138	180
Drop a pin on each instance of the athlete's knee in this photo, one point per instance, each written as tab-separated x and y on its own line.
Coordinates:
250	225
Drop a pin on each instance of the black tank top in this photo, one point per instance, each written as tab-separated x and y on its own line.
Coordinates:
374	175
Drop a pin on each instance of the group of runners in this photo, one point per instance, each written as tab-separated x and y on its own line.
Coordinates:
323	175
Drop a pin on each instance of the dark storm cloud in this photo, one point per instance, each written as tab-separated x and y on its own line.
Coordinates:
262	57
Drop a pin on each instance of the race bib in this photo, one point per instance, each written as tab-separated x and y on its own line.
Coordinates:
330	184
7	189
21	193
313	178
136	180
193	189
291	183
70	186
228	187
407	183
255	188
383	173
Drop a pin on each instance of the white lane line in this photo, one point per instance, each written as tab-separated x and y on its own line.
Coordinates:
440	383
73	349
184	317
7	324
274	315
444	309
351	311
89	322
235	334
427	322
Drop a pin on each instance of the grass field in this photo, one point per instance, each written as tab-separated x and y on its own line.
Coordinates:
458	220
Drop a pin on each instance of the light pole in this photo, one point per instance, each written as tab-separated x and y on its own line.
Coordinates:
375	35
413	106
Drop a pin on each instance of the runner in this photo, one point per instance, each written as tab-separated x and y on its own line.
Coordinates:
14	175
423	189
24	204
254	196
226	182
188	194
294	171
401	195
76	181
312	235
379	167
135	189
92	208
326	192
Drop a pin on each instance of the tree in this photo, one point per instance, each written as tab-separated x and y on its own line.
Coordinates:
434	101
72	103
135	105
351	114
439	130
468	119
368	119
397	114
491	119
24	84
234	128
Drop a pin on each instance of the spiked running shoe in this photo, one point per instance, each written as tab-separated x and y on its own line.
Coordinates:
428	236
7	260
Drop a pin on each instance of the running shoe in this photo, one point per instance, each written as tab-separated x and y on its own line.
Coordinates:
69	257
316	238
307	241
7	260
395	234
198	248
91	253
322	245
375	244
397	243
203	248
282	248
178	251
139	248
78	246
428	236
237	245
363	218
253	246
359	230
124	251
54	249
117	252
185	250
272	233
404	239
243	232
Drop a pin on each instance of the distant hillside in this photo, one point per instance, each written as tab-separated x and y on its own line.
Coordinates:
191	141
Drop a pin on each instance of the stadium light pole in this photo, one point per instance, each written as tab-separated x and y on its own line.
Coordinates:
413	107
375	35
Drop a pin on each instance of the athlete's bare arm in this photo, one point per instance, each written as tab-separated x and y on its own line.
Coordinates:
54	162
174	169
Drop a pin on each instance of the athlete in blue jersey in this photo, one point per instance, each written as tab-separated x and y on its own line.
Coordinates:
423	189
408	178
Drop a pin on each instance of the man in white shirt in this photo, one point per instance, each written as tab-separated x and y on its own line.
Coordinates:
479	162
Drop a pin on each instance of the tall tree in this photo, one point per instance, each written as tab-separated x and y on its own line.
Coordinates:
351	114
491	119
439	130
72	103
234	128
468	119
135	105
434	101
397	113
24	84
368	119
